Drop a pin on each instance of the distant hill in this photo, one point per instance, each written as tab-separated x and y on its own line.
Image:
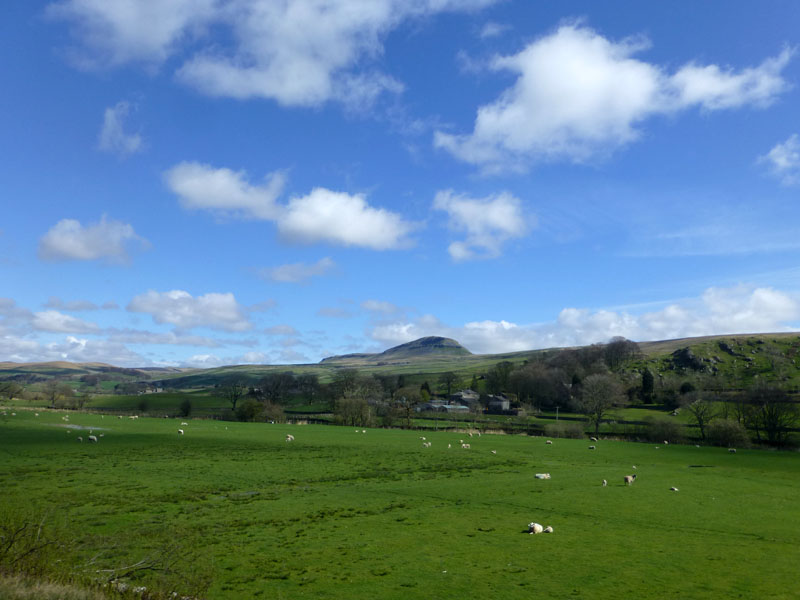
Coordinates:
426	348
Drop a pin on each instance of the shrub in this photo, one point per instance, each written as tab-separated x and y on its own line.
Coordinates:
565	429
658	430
249	410
143	405
185	407
727	432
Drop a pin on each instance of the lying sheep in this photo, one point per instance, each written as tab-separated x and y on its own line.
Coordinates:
289	437
629	479
673	489
465	446
548	529
534	528
542	475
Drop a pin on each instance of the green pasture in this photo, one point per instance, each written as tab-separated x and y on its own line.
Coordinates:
343	514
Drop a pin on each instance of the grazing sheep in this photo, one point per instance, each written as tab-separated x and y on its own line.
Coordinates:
594	439
289	437
605	483
422	438
180	431
666	443
93	438
674	489
534	528
592	447
449	446
494	451
549	442
634	466
732	450
80	439
184	423
548	529
629	479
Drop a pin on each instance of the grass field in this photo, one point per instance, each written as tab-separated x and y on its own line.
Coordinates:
341	514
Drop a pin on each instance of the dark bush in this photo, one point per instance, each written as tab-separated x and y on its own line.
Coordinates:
727	432
185	407
249	410
565	429
658	430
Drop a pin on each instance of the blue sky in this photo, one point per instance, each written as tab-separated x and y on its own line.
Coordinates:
198	183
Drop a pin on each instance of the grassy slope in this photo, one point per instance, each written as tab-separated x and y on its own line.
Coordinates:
339	514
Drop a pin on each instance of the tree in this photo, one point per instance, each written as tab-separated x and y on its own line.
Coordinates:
702	411
274	387
648	386
232	389
308	383
55	392
773	412
497	377
10	389
619	350
447	380
407	399
599	393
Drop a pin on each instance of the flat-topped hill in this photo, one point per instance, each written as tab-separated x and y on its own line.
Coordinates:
426	347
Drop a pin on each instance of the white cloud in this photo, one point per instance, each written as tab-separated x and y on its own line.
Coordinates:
70	348
379	306
488	222
579	95
179	308
113	137
298	272
343	219
203	361
254	358
492	29
225	192
296	52
54	321
69	240
321	216
738	309
783	160
74	305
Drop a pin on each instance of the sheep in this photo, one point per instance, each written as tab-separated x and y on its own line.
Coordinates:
494	451
549	442
592	447
449	446
80	438
289	437
629	479
35	414
634	466
534	528
422	438
184	424
542	475
666	442
605	483
180	431
426	444
470	434
673	488
594	439
465	446
548	529
93	438
732	450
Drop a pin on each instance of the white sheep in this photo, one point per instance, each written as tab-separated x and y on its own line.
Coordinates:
80	438
465	446
494	451
180	431
605	483
666	442
549	442
35	414
594	439
422	438
542	475
629	479
634	466
426	444
449	446
289	437
363	431
470	433
534	528
93	438
548	529
592	447
673	488
732	450
184	424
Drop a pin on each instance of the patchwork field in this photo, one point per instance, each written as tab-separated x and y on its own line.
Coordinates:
234	508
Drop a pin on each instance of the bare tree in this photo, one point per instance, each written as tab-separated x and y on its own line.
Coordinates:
448	379
599	393
55	392
232	389
701	410
773	412
619	350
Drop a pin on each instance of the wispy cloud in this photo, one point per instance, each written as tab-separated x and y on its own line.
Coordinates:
113	137
298	272
783	160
